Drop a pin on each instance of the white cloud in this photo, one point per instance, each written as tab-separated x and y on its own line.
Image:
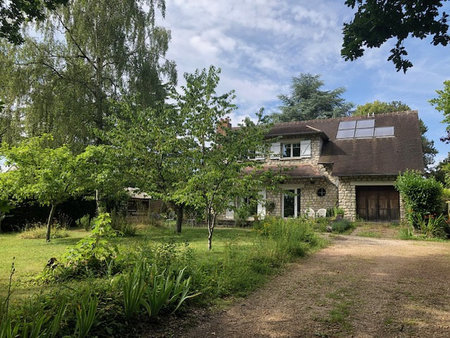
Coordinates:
261	44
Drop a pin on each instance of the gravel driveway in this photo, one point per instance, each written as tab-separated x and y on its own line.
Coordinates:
361	287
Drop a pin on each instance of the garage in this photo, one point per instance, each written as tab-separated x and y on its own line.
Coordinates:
377	203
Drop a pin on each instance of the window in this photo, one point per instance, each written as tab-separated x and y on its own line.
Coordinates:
301	149
362	129
321	192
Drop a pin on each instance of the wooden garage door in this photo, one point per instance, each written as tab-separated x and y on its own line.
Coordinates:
377	203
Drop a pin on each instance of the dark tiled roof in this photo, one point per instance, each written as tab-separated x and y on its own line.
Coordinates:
374	156
294	128
298	171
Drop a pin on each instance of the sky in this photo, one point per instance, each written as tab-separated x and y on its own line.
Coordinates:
261	44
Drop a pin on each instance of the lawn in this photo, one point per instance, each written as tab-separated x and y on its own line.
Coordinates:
31	255
241	260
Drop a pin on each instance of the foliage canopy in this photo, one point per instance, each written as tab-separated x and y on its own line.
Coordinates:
14	14
422	196
307	101
377	21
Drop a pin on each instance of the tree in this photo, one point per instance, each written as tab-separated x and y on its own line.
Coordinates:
14	14
377	21
422	196
45	174
62	84
150	147
442	104
220	153
306	101
441	172
379	107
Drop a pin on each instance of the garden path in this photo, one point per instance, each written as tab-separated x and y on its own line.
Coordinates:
361	287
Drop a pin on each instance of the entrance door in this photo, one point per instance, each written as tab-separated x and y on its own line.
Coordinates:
291	203
377	203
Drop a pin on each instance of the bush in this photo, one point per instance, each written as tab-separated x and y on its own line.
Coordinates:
92	256
293	236
120	223
335	211
432	227
85	222
39	231
321	224
341	225
422	196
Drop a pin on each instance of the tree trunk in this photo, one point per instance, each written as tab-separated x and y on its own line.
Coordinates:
97	203
180	212
211	220
49	222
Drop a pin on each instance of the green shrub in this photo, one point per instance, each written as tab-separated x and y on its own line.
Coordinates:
166	290
432	227
335	211
120	223
341	225
145	287
133	288
422	196
92	256
85	222
39	231
320	224
293	236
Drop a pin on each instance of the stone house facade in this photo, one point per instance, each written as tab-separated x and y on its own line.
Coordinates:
349	162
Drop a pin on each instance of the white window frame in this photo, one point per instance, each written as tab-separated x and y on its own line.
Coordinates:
297	191
305	149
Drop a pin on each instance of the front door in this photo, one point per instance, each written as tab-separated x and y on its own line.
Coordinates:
291	203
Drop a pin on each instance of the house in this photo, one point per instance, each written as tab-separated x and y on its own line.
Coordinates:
349	162
141	204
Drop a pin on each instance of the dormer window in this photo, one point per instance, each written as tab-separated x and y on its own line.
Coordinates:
297	149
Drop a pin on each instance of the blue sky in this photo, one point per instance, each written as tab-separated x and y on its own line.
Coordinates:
261	44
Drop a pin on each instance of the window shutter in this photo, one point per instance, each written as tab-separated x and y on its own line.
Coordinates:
275	150
261	211
305	147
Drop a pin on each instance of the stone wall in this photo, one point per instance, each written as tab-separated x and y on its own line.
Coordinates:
308	195
316	147
347	192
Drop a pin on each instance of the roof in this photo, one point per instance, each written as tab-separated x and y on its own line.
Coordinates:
295	128
137	194
297	171
371	156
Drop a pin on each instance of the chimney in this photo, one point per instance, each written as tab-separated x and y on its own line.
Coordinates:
223	125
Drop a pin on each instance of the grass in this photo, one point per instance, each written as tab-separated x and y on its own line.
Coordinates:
31	255
369	234
40	232
240	261
340	313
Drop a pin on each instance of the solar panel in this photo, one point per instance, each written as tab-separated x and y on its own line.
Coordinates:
346	133
384	131
365	124
364	132
347	125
